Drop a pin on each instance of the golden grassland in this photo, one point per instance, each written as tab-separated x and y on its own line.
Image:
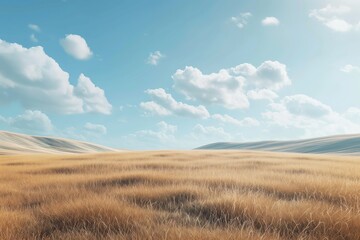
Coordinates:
180	195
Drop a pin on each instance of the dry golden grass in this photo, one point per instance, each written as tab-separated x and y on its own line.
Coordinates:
180	195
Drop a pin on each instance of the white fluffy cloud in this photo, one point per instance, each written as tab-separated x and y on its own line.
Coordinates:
339	25
261	94
29	122
32	78
270	21
350	68
154	58
333	17
270	75
219	88
154	108
94	99
88	132
309	115
164	104
76	46
227	87
303	105
34	27
33	121
95	129
242	20
210	133
246	122
164	134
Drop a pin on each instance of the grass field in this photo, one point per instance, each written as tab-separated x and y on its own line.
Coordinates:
180	195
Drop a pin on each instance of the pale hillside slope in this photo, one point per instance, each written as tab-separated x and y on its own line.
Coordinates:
14	143
343	144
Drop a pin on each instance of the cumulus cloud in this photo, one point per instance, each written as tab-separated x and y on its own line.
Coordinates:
35	80
210	133
306	106
270	21
34	122
95	129
309	115
155	108
350	68
164	104
333	17
94	99
271	75
34	27
219	88
76	46
88	132
227	87
164	134
339	25
246	122
242	20
261	94
154	58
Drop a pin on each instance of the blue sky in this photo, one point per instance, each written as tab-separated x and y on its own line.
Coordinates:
179	74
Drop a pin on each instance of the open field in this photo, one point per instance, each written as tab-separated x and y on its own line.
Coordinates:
180	195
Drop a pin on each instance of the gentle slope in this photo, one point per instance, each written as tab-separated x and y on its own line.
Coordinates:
344	144
13	143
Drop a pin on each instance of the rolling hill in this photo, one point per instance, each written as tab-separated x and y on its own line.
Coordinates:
342	144
14	143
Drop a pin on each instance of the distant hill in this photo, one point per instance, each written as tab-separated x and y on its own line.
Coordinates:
343	144
14	143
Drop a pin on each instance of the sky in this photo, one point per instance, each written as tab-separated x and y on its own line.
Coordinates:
167	74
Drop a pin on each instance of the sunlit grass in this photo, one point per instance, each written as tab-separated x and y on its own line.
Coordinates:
180	195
